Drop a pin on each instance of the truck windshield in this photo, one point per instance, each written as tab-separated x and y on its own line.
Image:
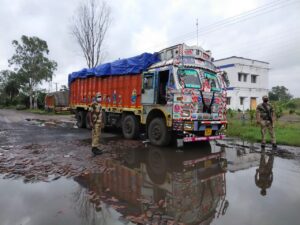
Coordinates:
211	81
189	77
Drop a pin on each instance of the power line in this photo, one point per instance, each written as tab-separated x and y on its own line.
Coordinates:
242	19
257	44
264	9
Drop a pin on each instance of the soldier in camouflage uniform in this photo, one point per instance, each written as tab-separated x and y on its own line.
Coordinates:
96	119
265	117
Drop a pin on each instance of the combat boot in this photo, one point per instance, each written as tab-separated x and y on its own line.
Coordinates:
97	151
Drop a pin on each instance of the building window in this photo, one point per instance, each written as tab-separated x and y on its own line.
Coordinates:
253	78
242	99
242	77
228	100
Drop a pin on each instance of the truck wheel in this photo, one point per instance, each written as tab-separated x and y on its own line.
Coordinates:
88	120
158	132
156	166
81	117
130	127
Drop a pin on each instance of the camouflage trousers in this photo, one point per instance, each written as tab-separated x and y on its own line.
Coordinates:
96	132
267	125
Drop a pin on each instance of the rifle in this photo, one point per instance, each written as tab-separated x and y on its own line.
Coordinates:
268	112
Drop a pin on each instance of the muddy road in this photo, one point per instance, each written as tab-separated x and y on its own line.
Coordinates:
49	176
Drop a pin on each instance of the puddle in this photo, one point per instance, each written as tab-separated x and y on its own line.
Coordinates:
204	184
52	123
59	202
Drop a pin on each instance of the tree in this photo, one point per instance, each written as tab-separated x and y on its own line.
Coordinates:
279	93
9	86
89	29
31	64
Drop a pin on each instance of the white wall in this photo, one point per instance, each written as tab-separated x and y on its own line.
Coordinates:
242	88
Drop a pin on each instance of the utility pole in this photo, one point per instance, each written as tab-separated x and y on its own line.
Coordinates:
197	29
55	86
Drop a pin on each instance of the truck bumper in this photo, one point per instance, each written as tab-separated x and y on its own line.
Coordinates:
193	139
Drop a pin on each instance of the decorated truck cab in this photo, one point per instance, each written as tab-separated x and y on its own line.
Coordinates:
191	93
175	93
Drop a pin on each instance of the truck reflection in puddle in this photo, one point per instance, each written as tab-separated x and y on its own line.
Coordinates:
160	185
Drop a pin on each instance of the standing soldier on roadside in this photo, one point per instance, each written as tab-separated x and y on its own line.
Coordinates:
96	119
265	117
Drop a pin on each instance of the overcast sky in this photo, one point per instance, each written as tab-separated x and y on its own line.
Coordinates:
270	32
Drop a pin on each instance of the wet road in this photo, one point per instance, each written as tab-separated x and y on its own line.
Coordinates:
48	176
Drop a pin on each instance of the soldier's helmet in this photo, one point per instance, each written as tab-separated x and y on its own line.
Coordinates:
265	97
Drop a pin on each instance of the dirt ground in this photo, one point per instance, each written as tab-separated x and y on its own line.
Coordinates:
44	148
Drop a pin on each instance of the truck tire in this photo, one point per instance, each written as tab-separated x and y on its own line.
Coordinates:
81	118
156	166
158	132
130	126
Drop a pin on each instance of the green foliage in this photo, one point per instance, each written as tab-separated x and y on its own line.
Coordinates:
41	100
286	133
9	87
292	105
23	99
252	113
291	111
21	107
279	93
278	109
230	113
31	64
30	68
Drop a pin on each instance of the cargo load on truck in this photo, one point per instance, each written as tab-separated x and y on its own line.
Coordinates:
177	92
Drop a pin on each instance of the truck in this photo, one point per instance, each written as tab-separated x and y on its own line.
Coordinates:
175	93
57	101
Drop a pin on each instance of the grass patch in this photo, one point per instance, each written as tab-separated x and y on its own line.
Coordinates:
39	111
286	133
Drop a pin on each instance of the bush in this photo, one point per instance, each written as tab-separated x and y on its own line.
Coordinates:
22	99
278	110
291	105
230	113
41	100
252	113
20	107
292	111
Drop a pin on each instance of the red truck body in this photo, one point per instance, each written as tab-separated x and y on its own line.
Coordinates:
82	91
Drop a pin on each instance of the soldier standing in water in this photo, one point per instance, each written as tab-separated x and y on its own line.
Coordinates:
96	119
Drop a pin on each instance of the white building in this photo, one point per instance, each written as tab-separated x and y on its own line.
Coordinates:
249	81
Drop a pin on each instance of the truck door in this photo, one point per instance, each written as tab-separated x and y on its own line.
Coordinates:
148	88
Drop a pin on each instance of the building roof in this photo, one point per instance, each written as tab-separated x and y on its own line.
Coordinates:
237	57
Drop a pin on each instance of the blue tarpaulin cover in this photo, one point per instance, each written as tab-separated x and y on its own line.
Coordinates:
133	65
